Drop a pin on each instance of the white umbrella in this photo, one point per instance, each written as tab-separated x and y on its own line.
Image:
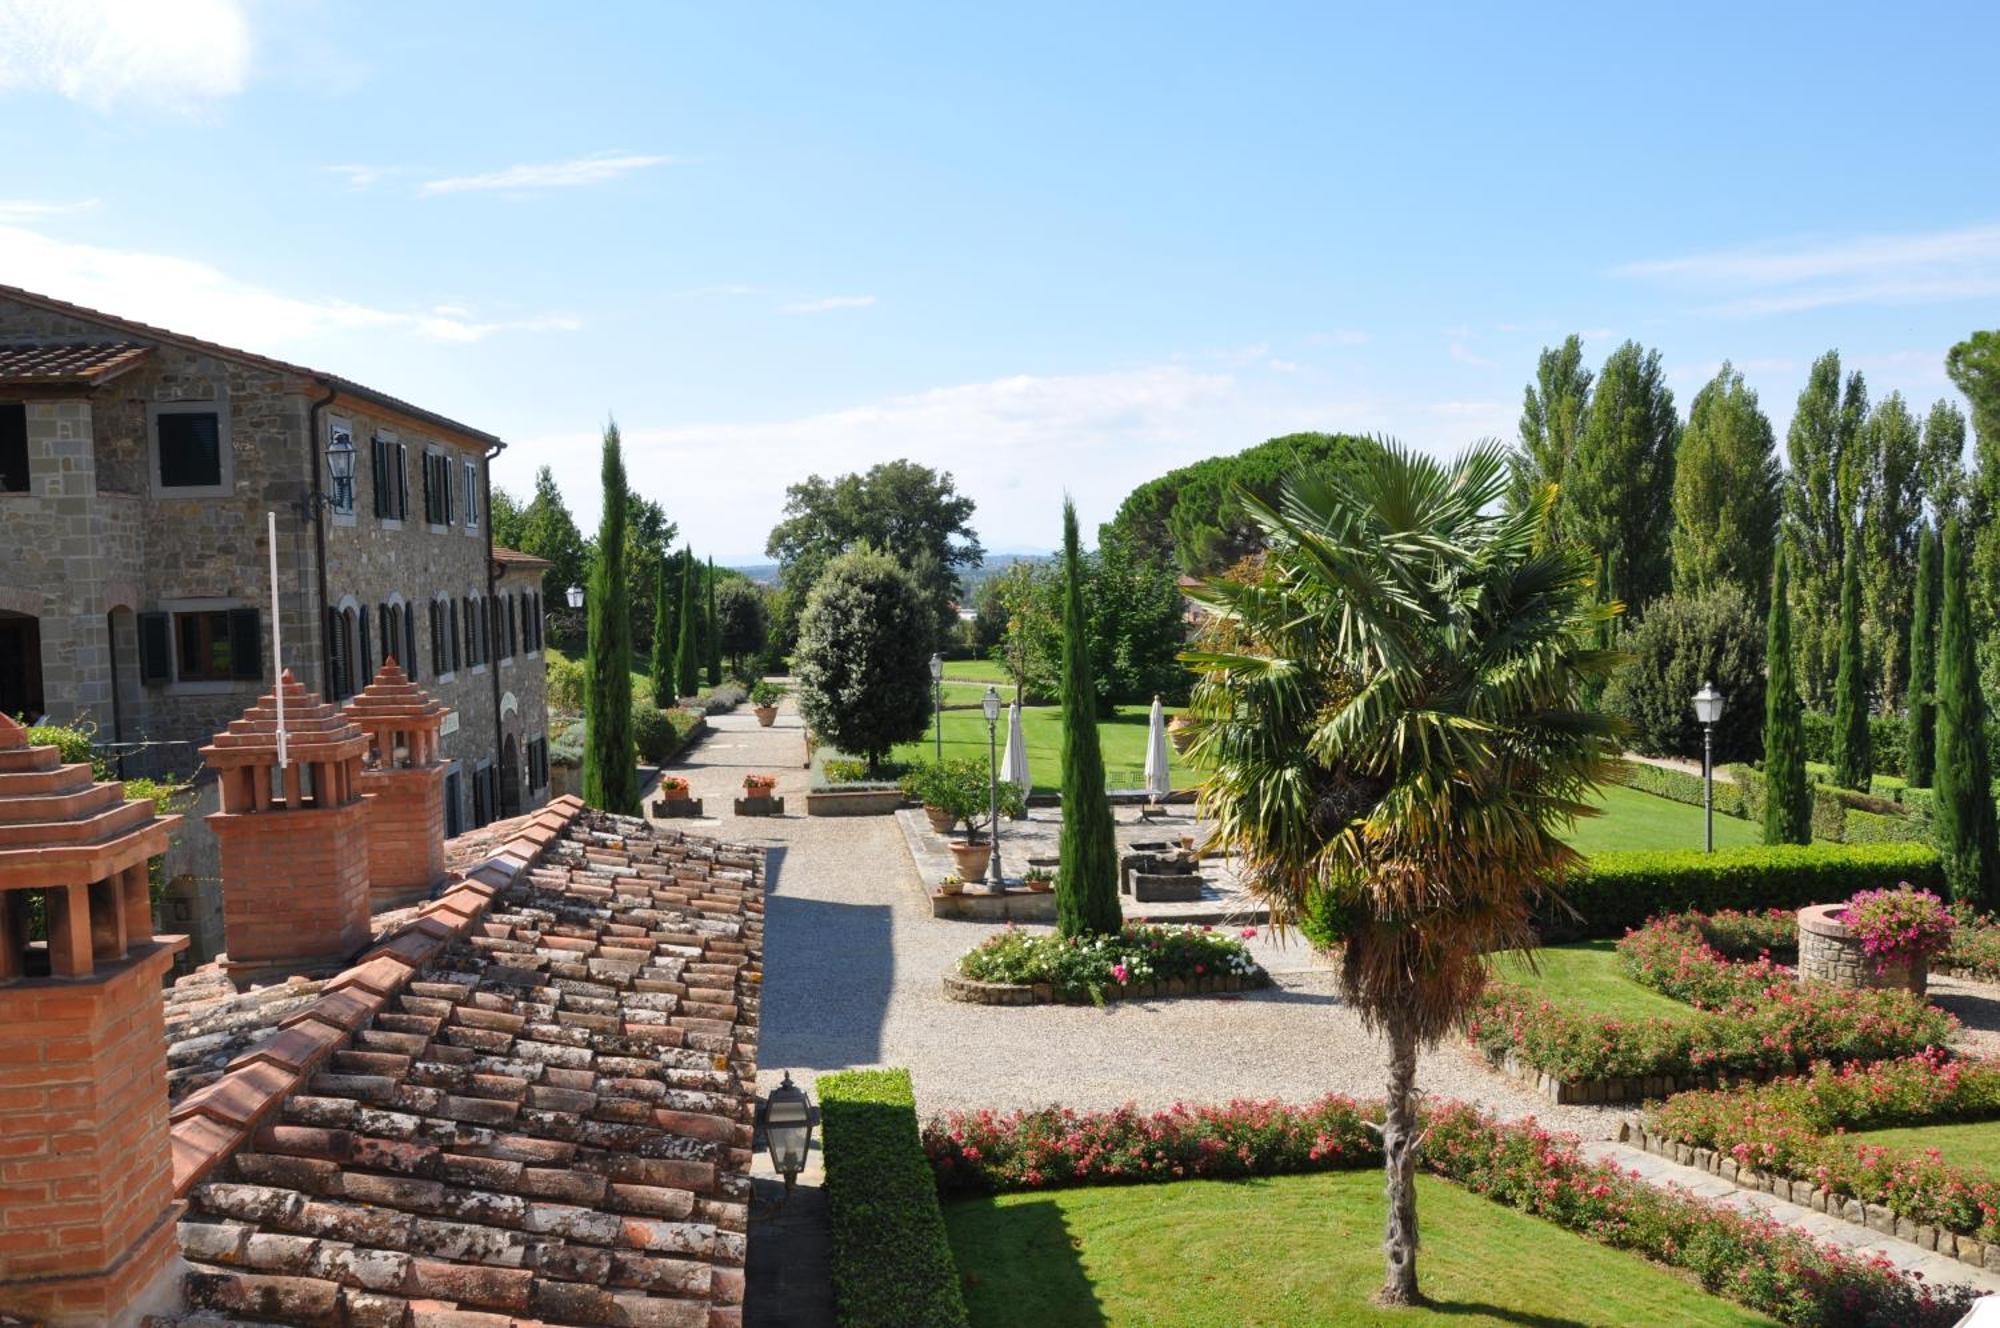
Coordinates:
1985	1313
1014	761
1158	783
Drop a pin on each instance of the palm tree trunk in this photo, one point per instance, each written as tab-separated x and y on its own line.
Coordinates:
1399	1155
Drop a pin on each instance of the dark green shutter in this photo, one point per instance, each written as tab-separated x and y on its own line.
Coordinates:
379	453
410	639
156	651
246	646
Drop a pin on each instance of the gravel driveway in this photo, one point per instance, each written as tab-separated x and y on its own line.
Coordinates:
853	962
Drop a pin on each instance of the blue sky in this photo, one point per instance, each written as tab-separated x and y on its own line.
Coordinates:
1047	248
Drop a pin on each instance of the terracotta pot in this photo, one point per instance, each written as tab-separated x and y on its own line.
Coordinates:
951	887
765	714
941	820
675	794
1180	732
972	859
1041	886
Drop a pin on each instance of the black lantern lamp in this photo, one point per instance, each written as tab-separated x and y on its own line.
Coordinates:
788	1129
576	597
340	468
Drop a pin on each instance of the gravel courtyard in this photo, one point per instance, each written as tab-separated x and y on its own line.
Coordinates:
853	962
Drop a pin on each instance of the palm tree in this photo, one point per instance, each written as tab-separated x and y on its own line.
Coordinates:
1387	708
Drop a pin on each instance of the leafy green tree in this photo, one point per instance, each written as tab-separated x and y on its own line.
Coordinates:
1787	794
1610	499
1087	851
610	764
505	514
1822	504
1851	766
1920	759
1193	517
739	617
687	644
1138	625
712	631
863	659
1681	642
1892	514
898	507
1973	365
1943	465
1552	415
1028	600
661	665
1387	713
1726	492
1966	833
548	531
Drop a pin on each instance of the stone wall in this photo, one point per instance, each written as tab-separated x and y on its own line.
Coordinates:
1829	952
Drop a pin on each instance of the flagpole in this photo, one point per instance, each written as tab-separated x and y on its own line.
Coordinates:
277	636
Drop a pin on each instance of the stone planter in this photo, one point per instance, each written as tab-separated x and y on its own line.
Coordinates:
971	859
760	804
970	991
673	804
858	802
1830	952
941	820
765	715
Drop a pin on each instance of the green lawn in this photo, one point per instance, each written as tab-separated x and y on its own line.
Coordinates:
969	693
976	670
1633	819
1123	739
1967	1144
1590	975
1295	1250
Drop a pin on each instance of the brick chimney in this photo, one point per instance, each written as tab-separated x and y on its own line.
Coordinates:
294	845
402	770
87	1208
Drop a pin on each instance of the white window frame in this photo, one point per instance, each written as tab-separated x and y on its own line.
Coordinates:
174	608
471	496
226	459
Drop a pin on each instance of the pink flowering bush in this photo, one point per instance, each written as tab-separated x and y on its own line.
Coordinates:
1747	1016
1975	943
1762	1264
1799	1128
1898	927
1092	965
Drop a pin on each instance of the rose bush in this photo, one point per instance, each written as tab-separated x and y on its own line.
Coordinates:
1759	1263
1091	965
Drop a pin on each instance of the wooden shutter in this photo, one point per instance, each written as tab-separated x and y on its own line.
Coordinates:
445	478
336	656
456	658
366	662
156	648
410	639
246	645
379	454
402	481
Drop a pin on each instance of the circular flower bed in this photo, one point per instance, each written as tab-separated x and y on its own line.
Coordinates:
1144	960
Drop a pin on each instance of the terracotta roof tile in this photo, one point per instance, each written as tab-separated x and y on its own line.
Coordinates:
548	1123
70	364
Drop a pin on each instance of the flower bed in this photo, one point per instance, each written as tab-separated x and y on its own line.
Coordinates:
1974	951
1759	1263
1145	959
1795	1129
1748	1018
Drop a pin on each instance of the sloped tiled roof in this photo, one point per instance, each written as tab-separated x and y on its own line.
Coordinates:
514	558
532	1105
70	364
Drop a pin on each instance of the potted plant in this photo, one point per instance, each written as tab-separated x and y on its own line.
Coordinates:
972	856
1040	879
951	885
764	698
1899	932
759	786
673	788
921	783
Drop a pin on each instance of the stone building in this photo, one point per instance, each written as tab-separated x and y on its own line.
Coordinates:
137	469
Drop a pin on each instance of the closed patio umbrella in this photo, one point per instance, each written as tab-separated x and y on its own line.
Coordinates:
1014	761
1158	783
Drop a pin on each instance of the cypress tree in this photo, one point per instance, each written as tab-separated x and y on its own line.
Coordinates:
1850	699
1965	825
712	632
610	763
661	665
687	654
1920	758
1087	861
1787	796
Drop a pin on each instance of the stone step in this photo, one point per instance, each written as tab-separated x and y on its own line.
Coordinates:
67	804
52	778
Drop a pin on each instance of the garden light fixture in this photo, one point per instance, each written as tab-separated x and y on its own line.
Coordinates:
1708	705
937	699
340	468
788	1128
989	705
576	597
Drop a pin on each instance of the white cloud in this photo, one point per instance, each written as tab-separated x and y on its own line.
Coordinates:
102	53
827	305
194	297
596	168
1931	267
18	210
360	176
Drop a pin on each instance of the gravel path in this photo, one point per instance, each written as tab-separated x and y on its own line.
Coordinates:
853	962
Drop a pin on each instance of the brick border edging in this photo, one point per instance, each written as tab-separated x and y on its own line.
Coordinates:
1617	1089
209	1125
1877	1218
971	991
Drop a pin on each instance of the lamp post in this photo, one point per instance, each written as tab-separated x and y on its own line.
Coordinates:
937	699
990	706
1708	708
788	1128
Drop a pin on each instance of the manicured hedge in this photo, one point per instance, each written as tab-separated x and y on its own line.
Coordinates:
1885	741
1620	890
1680	786
892	1265
1871	828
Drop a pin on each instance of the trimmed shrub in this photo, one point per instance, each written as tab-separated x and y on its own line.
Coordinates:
73	743
566	679
1680	786
892	1265
1861	827
1680	643
660	735
863	659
